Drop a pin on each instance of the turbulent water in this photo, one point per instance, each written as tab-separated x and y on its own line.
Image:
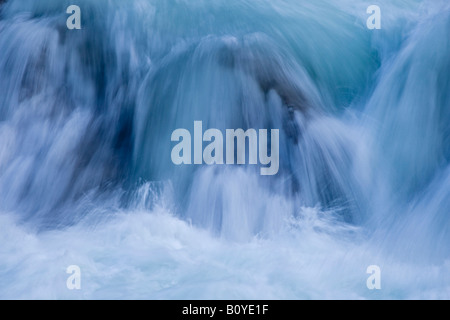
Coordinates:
86	178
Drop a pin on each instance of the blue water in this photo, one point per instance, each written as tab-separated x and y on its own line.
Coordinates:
86	177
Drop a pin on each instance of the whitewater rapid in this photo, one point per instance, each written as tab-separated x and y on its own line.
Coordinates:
86	118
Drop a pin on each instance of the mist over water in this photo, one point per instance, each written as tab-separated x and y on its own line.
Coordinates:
86	176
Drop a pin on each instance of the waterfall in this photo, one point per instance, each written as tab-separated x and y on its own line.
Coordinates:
86	177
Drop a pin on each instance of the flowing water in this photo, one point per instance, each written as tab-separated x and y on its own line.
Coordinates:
86	179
